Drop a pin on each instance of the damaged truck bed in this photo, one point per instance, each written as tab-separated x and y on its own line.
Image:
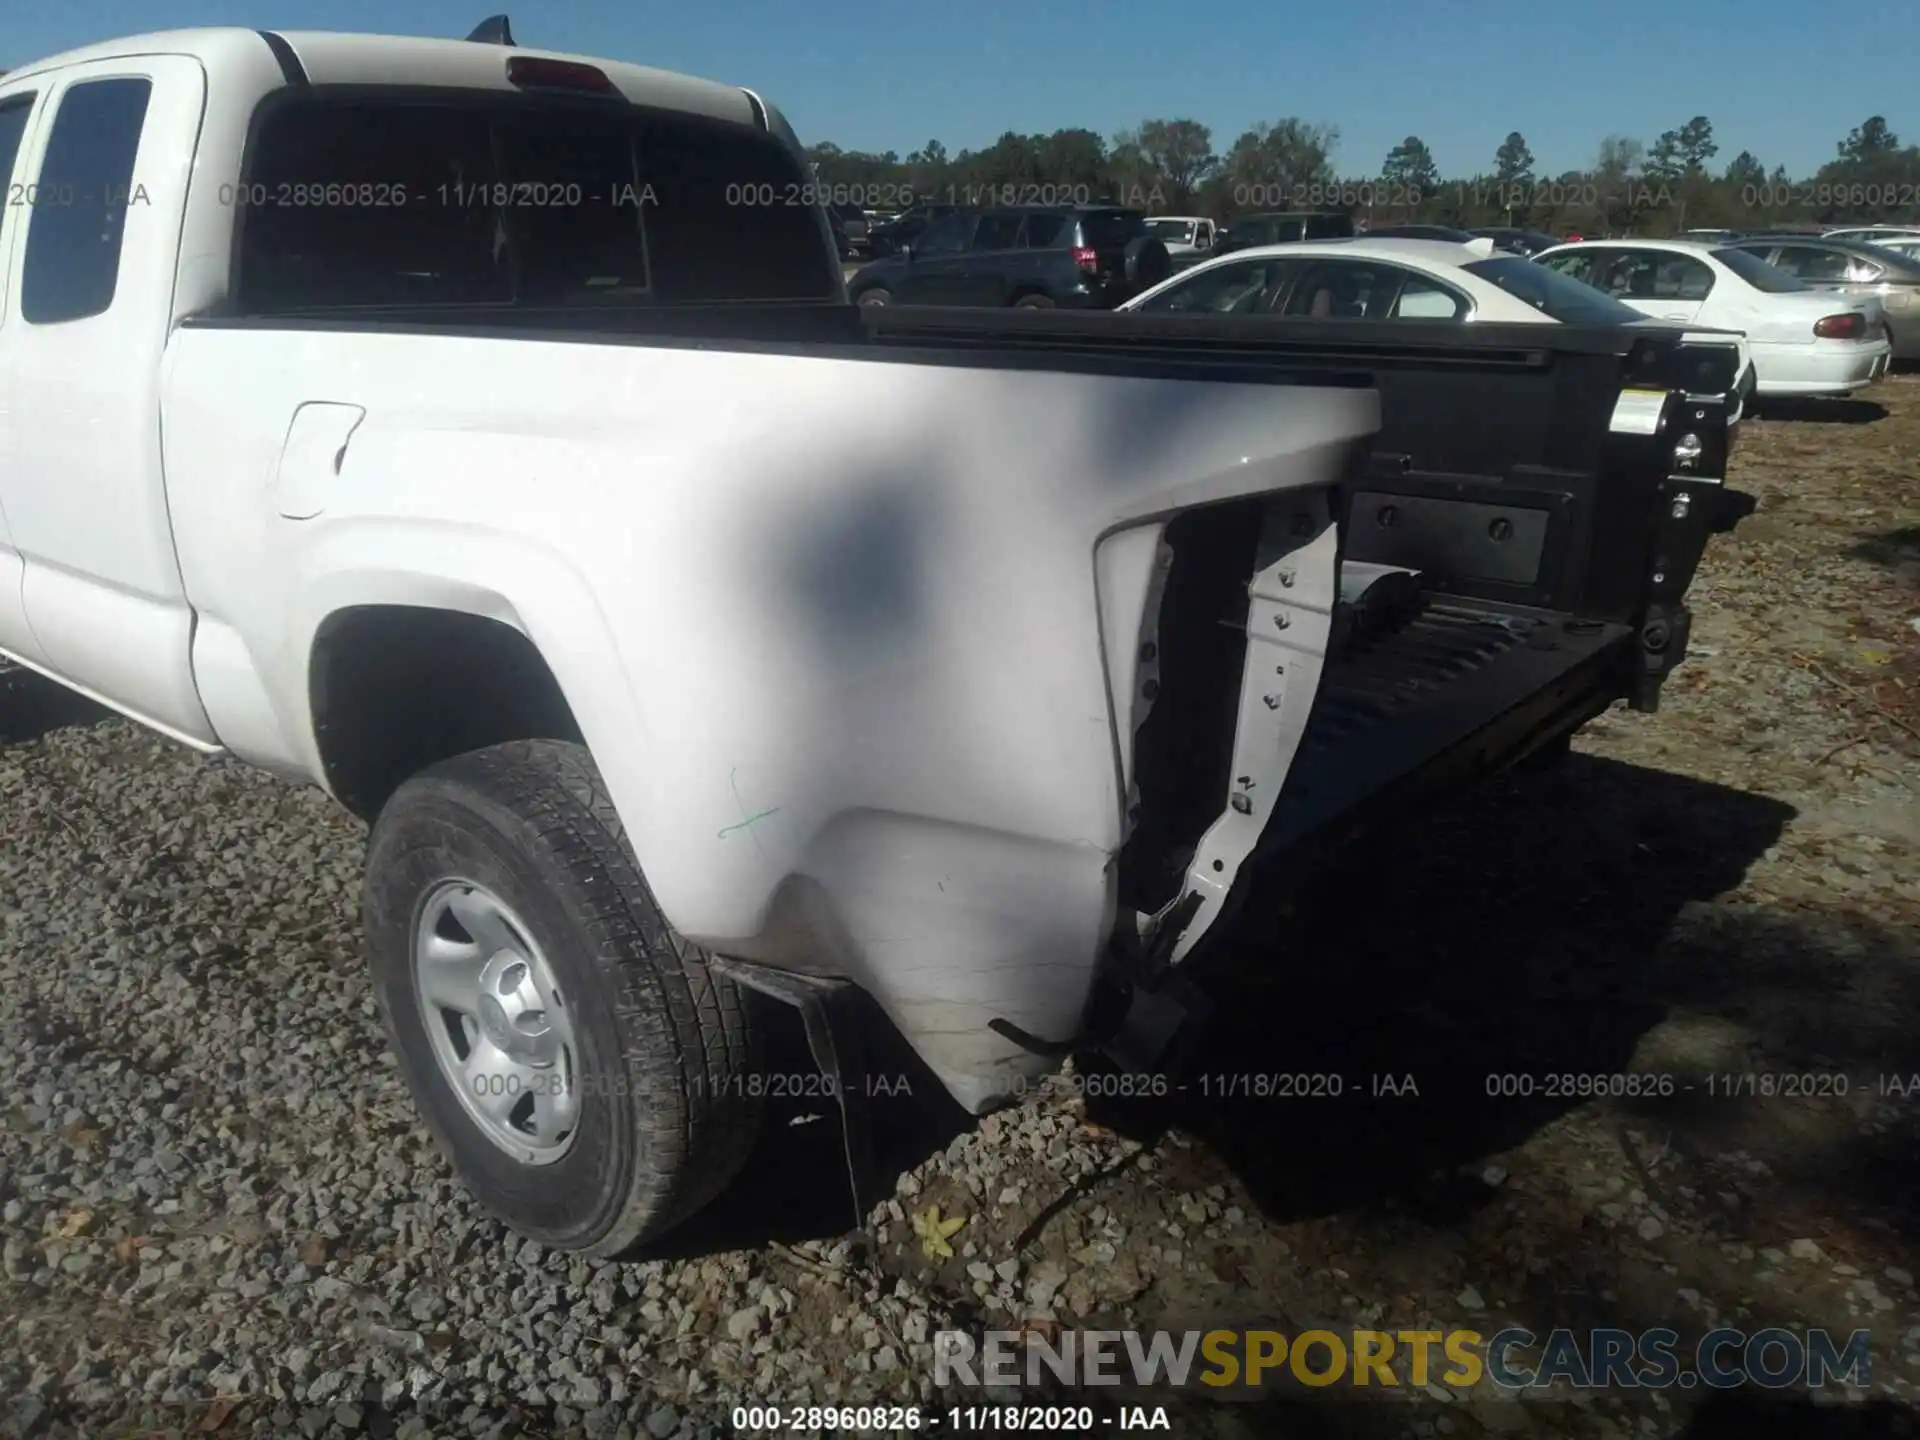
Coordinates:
1507	559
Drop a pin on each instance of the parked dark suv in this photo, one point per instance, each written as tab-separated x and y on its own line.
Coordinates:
1088	257
851	231
1283	229
889	236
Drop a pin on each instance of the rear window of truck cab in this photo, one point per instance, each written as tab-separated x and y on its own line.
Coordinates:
351	200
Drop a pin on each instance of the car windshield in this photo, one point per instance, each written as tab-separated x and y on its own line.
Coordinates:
1757	272
1561	297
1174	230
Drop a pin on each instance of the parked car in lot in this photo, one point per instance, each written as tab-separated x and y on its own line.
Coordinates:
1187	237
887	237
1873	234
1369	279
1452	234
1088	257
1283	227
1855	268
1804	341
686	633
1907	245
852	229
1712	237
1517	241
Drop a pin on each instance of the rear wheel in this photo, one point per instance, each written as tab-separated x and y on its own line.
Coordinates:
1034	302
875	296
581	1066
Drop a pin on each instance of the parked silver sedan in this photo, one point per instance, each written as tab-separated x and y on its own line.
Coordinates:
1855	267
1873	234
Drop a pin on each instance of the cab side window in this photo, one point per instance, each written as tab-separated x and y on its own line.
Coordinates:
81	197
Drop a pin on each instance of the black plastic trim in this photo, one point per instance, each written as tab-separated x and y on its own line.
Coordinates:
291	70
494	30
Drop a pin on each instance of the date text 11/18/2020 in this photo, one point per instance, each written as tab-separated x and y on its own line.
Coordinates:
758	1085
1215	1085
959	1419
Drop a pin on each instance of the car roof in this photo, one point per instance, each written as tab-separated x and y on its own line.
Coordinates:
1647	242
1444	253
341	58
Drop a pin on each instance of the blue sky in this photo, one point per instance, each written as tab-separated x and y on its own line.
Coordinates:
1786	81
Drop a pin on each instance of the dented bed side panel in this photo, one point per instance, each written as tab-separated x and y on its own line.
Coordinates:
845	633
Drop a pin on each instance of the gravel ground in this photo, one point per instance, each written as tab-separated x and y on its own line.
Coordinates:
220	1217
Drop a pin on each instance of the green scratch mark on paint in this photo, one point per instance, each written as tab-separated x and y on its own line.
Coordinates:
726	830
746	822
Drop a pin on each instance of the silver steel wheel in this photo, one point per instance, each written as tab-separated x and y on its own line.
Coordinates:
498	1022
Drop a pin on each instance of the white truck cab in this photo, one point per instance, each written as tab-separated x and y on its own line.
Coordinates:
1187	237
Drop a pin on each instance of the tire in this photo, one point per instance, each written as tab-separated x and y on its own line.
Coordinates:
661	1046
1034	302
1147	263
876	296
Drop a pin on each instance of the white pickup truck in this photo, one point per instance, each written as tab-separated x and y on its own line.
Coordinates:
482	434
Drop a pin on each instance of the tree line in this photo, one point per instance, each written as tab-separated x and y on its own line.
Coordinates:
1174	167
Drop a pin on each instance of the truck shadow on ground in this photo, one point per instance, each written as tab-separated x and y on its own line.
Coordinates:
1513	932
1890	547
1435	971
1747	1417
32	706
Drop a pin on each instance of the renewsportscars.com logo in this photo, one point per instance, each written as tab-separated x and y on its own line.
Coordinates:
1513	1359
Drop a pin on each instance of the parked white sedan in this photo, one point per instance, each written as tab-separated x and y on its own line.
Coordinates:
1366	279
1804	341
